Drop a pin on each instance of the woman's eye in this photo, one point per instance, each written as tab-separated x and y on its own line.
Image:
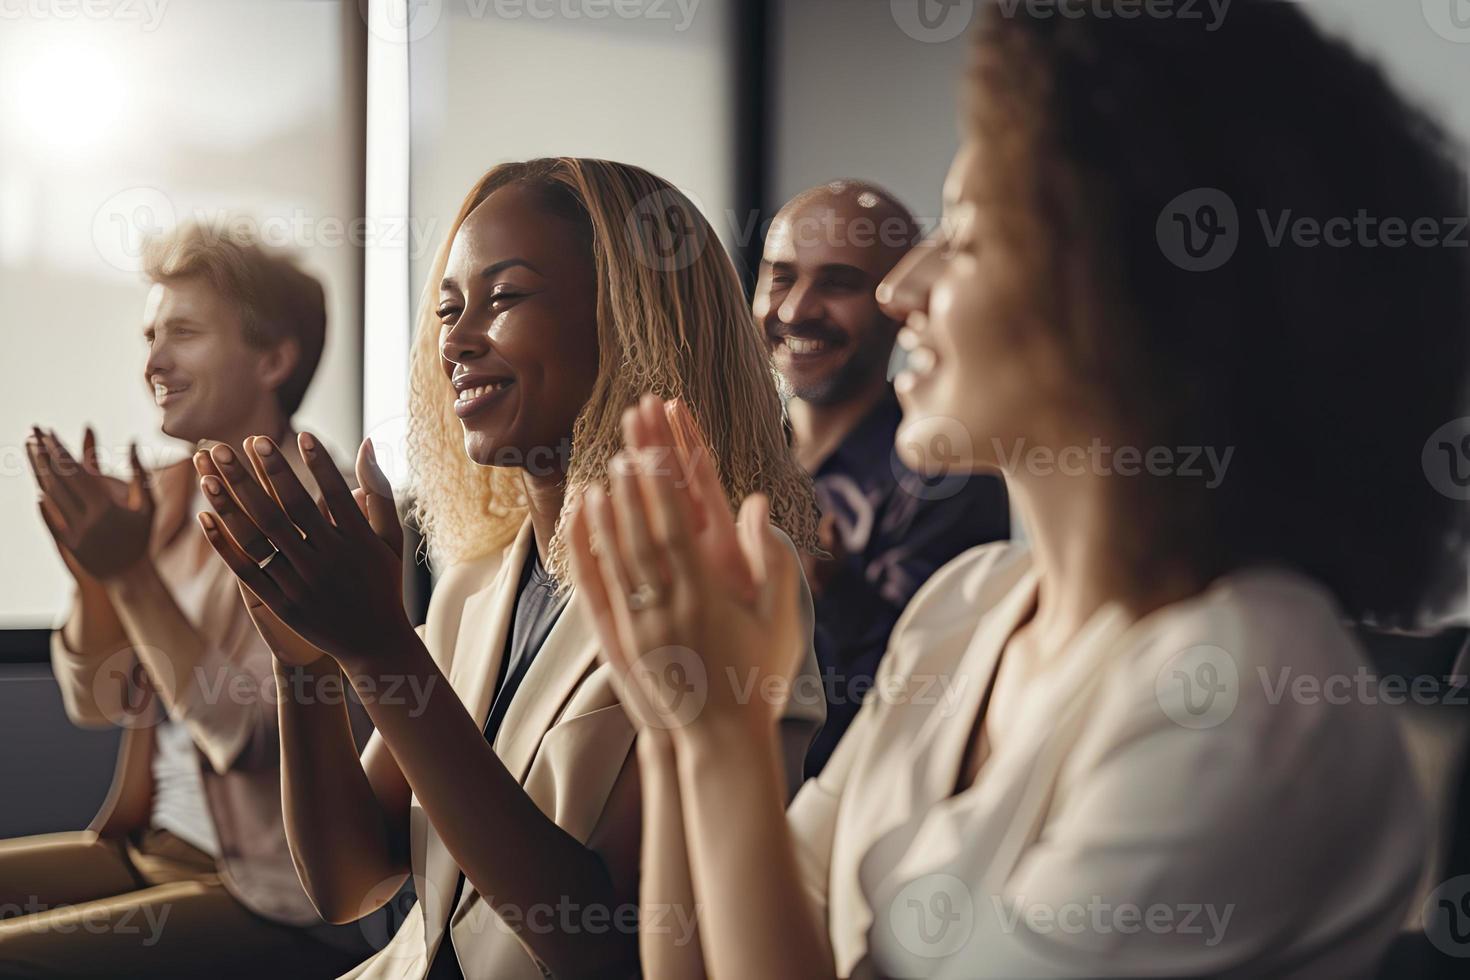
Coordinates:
503	296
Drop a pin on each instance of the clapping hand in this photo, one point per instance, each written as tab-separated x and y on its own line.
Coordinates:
695	610
101	525
329	573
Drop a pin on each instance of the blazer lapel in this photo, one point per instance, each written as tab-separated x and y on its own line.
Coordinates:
484	625
568	654
947	741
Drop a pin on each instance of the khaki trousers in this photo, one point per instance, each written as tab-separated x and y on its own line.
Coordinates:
75	905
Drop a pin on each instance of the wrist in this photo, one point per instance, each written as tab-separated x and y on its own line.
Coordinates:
397	652
725	737
124	582
655	749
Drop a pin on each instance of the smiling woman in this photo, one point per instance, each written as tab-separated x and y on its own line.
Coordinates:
559	295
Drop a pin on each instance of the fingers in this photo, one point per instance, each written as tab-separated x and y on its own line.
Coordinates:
606	535
140	491
52	474
250	574
252	542
587	577
89	451
640	558
667	505
376	501
55	523
259	506
755	514
652	428
284	485
334	489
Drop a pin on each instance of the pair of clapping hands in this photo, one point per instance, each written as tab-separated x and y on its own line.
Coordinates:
695	608
686	598
682	595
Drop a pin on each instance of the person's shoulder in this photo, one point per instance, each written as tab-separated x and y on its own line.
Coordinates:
1263	619
1264	658
955	598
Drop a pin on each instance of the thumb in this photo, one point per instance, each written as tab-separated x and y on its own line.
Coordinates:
377	502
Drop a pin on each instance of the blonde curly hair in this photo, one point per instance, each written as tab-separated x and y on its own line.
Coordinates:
671	319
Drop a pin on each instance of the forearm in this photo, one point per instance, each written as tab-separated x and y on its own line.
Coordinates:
669	936
167	644
757	919
93	628
513	854
349	855
80	649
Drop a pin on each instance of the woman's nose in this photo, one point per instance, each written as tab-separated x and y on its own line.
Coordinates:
906	287
462	342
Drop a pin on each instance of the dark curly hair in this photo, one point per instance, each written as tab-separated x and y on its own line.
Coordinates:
1326	368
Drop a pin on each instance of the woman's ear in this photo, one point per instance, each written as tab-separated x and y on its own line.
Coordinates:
279	362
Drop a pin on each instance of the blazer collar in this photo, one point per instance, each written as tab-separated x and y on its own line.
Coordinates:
568	655
565	658
1016	781
484	625
951	734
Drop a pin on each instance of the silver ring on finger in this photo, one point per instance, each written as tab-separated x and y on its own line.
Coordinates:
268	559
644	597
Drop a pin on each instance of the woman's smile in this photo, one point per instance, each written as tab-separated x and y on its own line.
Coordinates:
474	395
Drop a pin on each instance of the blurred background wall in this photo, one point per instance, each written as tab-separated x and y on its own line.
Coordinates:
868	88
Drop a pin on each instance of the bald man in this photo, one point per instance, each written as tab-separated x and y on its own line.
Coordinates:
887	528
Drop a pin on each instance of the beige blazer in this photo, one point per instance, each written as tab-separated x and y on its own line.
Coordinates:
1171	808
231	714
565	737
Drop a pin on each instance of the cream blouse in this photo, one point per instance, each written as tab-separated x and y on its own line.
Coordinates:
1171	799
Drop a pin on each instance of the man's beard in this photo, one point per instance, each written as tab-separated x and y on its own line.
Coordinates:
870	360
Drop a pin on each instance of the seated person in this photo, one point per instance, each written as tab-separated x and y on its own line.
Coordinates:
159	643
885	528
511	793
1117	784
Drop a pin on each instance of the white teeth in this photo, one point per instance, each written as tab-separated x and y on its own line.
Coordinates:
470	394
799	345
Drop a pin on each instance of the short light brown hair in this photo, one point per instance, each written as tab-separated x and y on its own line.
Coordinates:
277	300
